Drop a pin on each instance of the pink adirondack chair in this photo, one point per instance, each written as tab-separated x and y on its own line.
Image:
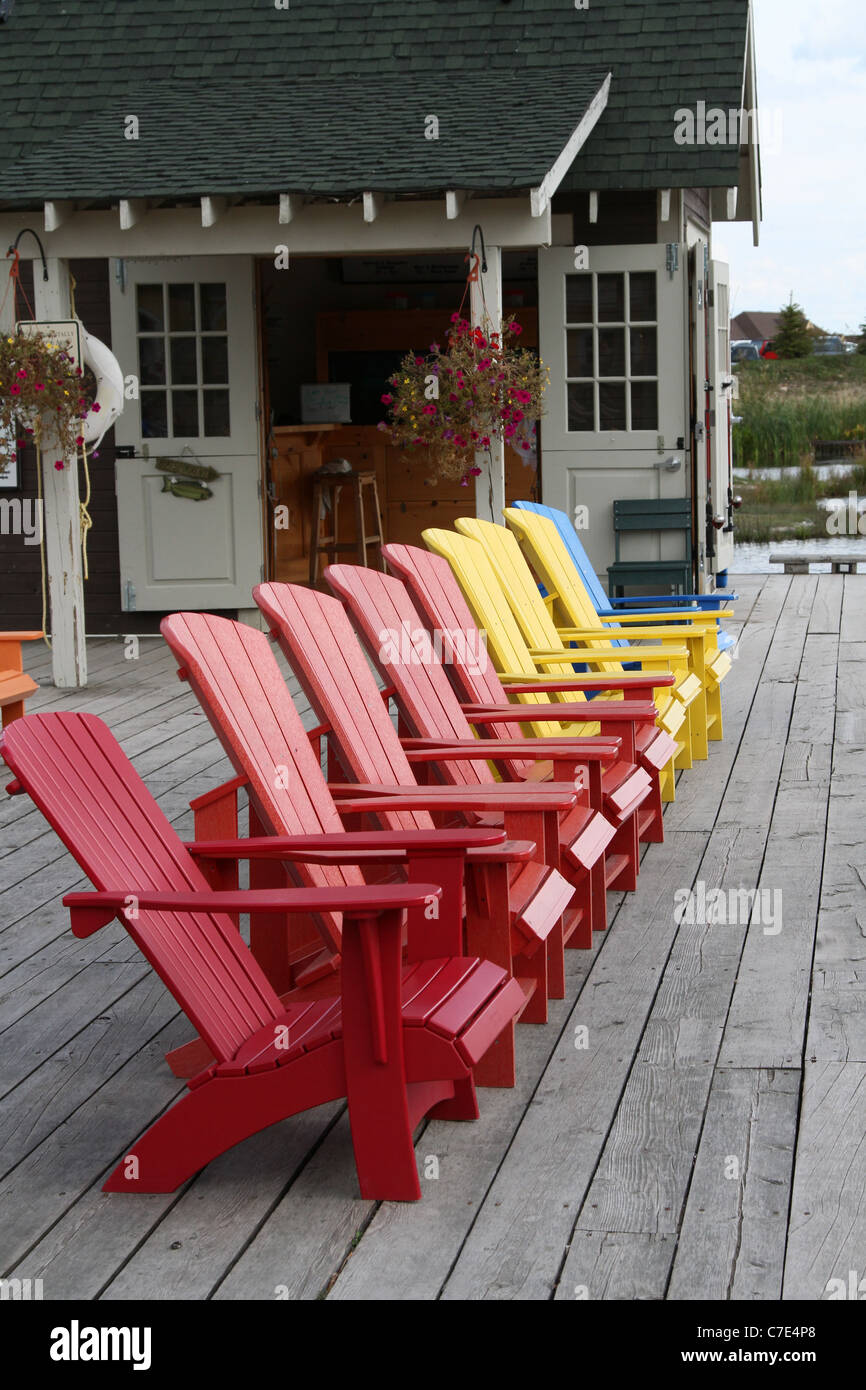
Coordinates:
323	649
438	597
381	609
512	903
399	1041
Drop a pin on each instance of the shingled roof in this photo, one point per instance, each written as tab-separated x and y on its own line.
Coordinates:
327	96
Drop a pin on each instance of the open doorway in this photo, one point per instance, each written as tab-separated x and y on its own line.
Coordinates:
346	323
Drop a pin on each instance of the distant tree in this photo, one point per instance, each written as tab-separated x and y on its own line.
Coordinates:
861	346
793	338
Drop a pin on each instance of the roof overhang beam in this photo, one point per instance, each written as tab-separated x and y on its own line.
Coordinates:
540	196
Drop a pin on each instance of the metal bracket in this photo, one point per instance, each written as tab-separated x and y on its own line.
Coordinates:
128	596
672	258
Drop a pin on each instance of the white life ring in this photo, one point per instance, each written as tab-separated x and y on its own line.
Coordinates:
109	389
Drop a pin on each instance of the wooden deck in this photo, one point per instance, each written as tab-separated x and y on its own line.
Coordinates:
689	1125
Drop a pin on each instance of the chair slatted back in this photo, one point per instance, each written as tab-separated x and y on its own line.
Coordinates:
542	545
87	789
575	547
405	653
323	650
477	578
239	685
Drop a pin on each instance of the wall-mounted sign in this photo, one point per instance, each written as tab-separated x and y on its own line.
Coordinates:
325	403
64	333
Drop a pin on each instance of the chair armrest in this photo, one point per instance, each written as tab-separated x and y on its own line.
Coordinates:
565	655
693	616
588	750
591	712
670	600
587	634
349	846
90	911
499	796
521	684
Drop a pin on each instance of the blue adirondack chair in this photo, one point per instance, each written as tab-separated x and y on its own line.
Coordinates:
602	604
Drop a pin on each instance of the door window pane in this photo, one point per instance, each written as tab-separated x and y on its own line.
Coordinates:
644	352
154	421
611	352
182	344
184	368
642	296
216	413
611	298
184	413
578	299
215	361
213	308
181	308
581	405
151	314
612	366
579	341
611	405
151	361
644	405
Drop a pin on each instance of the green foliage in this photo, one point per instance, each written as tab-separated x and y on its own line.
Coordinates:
861	346
785	406
792	338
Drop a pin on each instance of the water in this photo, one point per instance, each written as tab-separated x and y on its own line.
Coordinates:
754	558
835	469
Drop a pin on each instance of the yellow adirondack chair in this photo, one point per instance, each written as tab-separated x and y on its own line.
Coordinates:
575	615
680	711
510	653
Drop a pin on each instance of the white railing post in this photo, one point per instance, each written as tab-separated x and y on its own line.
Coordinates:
486	294
63	560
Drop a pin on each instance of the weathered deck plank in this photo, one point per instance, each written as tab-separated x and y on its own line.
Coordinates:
828	1206
732	1241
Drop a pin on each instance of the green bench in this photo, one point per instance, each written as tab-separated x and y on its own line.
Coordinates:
642	514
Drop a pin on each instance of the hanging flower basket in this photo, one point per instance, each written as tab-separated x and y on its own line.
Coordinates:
452	403
42	394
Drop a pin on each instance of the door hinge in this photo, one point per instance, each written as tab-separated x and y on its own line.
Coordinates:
258	488
672	258
258	410
128	596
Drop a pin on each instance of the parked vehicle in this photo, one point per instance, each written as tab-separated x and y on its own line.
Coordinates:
744	350
831	346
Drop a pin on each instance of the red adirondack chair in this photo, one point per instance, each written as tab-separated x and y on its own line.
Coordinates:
323	649
512	902
399	1042
382	611
438	597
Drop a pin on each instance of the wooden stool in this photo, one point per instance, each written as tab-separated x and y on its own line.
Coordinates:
330	486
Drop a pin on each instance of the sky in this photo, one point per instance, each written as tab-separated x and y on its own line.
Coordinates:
811	57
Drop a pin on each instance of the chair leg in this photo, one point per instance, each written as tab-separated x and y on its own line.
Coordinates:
220	1113
462	1106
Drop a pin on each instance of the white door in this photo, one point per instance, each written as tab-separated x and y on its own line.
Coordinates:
186	329
614	338
721	388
